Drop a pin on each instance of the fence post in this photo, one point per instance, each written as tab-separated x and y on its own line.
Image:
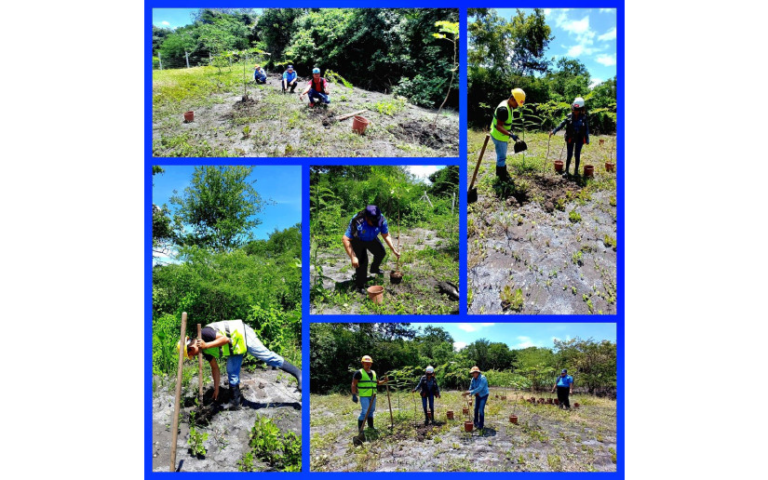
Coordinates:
186	57
160	57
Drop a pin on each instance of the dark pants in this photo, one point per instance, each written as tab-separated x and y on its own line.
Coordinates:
570	146
562	395
258	78
480	411
292	86
361	250
431	398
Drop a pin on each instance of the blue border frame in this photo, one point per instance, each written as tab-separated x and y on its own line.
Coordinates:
305	162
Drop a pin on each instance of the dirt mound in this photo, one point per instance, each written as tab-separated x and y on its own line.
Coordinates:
424	134
245	103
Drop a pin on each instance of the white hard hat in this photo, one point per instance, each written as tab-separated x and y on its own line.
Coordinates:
430	369
578	103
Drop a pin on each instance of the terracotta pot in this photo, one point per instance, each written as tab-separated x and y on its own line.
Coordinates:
557	402
189	116
589	170
503	398
468	426
576	405
465	411
376	294
601	141
610	167
395	277
559	165
449	414
513	419
429	414
359	124
549	401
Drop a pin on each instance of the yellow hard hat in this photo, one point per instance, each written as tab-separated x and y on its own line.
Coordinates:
519	95
367	359
473	370
186	343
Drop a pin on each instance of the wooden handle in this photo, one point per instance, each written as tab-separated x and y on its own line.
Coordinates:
200	364
175	422
479	159
391	417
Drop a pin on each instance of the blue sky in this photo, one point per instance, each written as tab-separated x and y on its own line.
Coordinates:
282	184
524	335
175	17
587	34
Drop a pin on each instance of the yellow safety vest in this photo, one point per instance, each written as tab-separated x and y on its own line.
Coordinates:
234	330
495	133
366	386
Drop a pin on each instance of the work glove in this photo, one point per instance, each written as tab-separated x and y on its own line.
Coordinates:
520	146
354	398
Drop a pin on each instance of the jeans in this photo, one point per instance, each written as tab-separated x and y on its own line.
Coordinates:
364	402
317	97
255	349
501	152
361	250
431	403
569	146
260	78
562	395
480	411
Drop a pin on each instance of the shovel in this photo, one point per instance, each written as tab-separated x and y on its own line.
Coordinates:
360	437
472	193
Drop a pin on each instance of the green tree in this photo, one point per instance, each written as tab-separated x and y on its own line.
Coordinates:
530	36
218	209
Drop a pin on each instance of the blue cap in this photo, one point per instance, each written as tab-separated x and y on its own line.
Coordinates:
373	212
315	70
564	371
290	67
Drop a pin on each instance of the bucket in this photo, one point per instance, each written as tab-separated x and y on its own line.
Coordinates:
558	166
359	124
609	167
376	294
589	170
449	414
395	277
513	419
468	426
189	116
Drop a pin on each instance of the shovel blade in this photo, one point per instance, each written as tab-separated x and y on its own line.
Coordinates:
472	195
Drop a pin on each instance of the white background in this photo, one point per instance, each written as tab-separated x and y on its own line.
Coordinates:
72	190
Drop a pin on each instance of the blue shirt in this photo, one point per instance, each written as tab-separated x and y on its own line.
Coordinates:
361	230
289	76
565	381
479	386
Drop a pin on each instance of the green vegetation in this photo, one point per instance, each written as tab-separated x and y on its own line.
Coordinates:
281	451
218	271
422	220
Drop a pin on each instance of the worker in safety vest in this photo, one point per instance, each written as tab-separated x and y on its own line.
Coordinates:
564	386
317	88
361	237
231	340
576	126
479	388
364	385
501	131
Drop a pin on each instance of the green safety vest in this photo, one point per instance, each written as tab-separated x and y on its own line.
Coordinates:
366	386
507	124
234	330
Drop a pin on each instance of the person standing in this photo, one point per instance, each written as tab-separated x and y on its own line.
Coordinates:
479	388
564	386
364	383
501	131
361	237
576	126
429	390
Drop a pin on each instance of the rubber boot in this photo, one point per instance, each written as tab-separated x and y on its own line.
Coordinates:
577	168
568	166
502	173
287	367
234	400
360	425
370	422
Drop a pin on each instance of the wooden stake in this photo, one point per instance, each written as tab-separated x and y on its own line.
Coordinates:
175	426
200	363
391	417
344	117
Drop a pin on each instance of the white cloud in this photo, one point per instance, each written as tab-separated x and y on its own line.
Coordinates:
580	31
472	327
607	10
165	23
595	82
606	60
609	35
578	27
459	345
523	342
547	11
422	172
575	50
